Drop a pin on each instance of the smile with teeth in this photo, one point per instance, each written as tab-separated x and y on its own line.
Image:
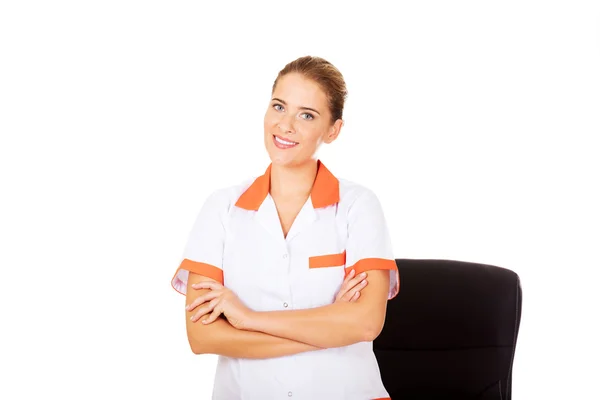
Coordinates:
283	144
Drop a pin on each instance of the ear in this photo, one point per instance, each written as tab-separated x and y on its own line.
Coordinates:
334	131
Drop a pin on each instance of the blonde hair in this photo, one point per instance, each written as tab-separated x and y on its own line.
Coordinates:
326	75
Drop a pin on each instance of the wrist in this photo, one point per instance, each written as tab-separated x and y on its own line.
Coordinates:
253	321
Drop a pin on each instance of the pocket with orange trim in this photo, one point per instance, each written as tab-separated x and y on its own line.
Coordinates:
327	260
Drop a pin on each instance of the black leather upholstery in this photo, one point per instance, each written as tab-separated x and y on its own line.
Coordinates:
451	332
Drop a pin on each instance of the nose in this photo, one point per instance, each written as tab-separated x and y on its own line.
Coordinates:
286	124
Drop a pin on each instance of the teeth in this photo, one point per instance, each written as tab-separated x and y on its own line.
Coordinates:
284	142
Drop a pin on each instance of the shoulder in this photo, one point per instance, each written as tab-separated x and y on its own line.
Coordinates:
353	194
224	198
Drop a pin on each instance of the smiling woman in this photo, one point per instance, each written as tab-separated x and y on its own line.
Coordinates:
275	268
305	110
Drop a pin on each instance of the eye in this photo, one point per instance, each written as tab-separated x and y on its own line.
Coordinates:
277	105
310	116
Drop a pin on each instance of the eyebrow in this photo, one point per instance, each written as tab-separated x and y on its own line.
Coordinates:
302	108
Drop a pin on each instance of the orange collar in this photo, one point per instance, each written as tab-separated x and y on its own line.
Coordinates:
325	190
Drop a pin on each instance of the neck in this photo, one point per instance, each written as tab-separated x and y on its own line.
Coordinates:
293	181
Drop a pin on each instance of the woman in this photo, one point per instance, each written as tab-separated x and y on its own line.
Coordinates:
273	268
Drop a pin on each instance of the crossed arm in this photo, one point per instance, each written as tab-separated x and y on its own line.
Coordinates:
250	334
220	337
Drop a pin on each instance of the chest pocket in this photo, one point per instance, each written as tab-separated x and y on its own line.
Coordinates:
321	260
327	261
325	274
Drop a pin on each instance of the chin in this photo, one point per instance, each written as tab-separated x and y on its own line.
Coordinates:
278	159
283	161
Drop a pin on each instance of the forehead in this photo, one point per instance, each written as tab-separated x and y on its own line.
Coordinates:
296	89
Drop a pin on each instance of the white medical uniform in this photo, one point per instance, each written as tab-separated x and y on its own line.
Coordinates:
237	240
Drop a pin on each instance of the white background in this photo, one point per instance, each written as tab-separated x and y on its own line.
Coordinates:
476	123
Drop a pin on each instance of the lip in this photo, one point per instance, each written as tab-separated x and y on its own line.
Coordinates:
287	140
282	146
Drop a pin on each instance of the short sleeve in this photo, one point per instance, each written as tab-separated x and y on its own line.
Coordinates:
369	246
203	254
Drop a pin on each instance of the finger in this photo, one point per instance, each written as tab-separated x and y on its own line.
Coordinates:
207	285
355	297
202	299
357	280
356	289
344	292
213	316
345	285
202	311
347	279
350	276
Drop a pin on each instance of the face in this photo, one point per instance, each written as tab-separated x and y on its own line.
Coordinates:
297	121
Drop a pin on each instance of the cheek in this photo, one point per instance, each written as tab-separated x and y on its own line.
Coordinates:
270	119
313	136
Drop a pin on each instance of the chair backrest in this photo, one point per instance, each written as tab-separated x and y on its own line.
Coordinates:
451	332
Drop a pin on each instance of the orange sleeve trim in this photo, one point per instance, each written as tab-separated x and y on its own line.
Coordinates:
367	264
327	260
207	270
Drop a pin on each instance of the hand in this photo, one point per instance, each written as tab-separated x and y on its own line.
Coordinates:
351	287
219	300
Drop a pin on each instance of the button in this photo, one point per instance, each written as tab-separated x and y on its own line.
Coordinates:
285	305
285	256
289	394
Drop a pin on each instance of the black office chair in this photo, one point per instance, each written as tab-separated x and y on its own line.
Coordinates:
451	332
